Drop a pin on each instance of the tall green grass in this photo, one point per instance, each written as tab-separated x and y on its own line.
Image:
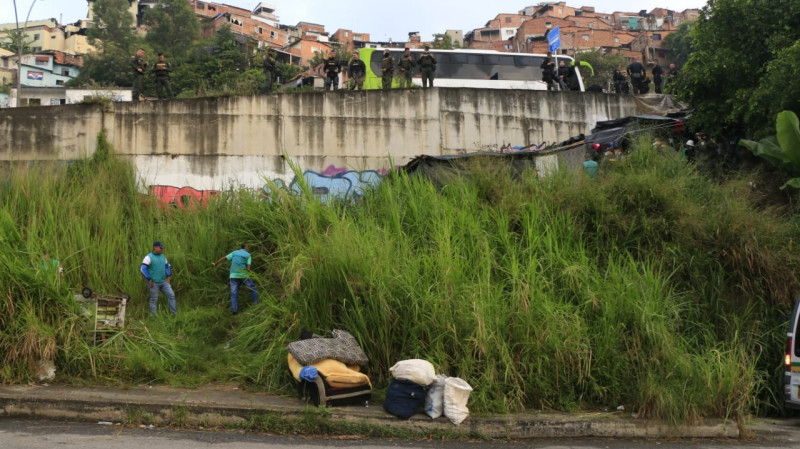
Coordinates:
650	287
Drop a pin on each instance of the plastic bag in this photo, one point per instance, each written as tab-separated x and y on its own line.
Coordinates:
434	401
420	372
456	395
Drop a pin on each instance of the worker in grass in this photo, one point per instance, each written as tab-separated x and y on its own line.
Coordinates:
158	273
241	260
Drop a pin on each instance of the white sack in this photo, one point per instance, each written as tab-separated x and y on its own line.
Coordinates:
420	372
434	402
456	395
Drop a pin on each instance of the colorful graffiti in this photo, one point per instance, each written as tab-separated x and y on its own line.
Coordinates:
183	197
332	183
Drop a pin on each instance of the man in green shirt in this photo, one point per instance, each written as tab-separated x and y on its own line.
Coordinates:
427	66
387	69
139	65
406	66
158	273
240	274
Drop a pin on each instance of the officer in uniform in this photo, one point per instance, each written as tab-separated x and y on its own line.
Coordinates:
672	74
406	66
549	71
427	66
620	84
387	69
658	74
270	70
139	66
637	73
332	69
357	72
161	70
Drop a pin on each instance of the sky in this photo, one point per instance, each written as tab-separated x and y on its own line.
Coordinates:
381	19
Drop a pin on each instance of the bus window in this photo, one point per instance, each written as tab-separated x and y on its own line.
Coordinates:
458	58
474	59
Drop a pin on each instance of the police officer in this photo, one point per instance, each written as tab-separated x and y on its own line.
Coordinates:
270	70
562	76
387	69
549	71
619	81
161	70
406	67
332	69
637	73
671	74
139	65
427	66
658	73
357	72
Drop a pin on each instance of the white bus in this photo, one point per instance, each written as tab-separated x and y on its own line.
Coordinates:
486	69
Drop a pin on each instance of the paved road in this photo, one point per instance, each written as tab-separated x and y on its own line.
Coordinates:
16	434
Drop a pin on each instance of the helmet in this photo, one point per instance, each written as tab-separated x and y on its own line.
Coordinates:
690	143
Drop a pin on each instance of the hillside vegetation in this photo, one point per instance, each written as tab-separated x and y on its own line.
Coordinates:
650	286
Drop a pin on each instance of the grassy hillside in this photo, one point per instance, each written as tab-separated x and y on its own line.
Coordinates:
650	286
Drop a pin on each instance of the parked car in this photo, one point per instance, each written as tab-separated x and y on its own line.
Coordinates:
791	379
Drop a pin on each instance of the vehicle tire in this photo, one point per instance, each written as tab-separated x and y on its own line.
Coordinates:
87	292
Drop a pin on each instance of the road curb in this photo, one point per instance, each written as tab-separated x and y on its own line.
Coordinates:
187	412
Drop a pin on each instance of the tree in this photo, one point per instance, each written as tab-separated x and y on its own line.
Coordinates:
174	27
737	73
12	39
603	65
680	44
113	28
443	42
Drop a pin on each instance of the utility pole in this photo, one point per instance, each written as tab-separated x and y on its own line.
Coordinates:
20	44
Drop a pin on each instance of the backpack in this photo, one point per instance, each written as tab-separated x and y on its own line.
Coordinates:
404	398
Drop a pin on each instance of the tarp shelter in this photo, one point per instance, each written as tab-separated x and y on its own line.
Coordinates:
612	133
441	169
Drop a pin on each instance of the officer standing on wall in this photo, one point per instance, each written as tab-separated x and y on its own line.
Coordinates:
332	69
549	71
406	66
658	74
427	66
270	70
637	73
387	69
161	69
357	72
619	81
139	66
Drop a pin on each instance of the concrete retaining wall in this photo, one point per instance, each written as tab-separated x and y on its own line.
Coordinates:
216	142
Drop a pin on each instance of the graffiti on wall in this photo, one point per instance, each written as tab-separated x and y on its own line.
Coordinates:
183	197
332	183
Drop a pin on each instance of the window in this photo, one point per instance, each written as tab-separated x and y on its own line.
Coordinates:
54	102
201	5
65	72
508	19
616	40
656	37
272	34
59	82
212	8
346	34
585	37
36	37
259	30
548	24
561	10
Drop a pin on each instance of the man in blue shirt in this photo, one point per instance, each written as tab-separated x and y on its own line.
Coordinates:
240	274
158	272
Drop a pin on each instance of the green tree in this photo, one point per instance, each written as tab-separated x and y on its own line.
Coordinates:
443	42
733	77
12	40
603	65
114	28
680	44
173	27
